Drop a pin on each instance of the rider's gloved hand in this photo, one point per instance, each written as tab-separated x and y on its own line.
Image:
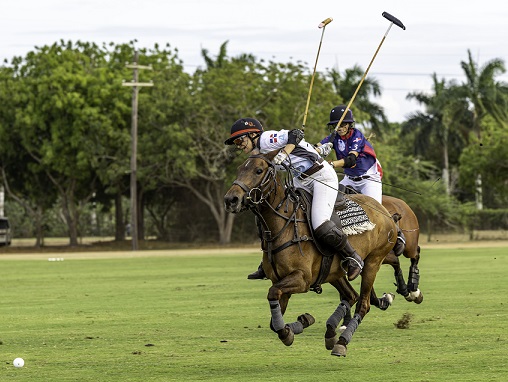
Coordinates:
280	157
325	149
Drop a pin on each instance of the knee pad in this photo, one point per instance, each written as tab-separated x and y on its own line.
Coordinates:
331	235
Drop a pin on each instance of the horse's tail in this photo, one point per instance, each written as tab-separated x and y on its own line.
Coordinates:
396	217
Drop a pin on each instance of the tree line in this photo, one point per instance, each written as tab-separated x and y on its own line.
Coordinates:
65	139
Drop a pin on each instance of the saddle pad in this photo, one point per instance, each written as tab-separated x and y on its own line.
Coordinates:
354	219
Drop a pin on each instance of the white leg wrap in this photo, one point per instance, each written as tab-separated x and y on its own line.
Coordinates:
389	297
414	295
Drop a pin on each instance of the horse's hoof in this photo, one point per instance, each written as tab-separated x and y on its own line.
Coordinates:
306	319
386	301
330	342
330	337
389	297
286	335
418	296
339	350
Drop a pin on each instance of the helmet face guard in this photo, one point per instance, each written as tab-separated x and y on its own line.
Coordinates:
243	127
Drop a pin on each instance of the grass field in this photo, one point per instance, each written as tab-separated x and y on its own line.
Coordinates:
197	318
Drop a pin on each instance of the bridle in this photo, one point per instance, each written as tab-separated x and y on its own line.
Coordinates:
259	197
260	193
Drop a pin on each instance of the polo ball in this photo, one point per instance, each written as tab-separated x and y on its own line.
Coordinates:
18	362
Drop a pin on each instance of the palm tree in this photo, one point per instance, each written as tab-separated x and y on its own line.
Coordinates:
485	97
221	57
439	125
345	86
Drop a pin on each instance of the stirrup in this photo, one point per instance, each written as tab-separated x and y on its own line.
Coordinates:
353	270
399	246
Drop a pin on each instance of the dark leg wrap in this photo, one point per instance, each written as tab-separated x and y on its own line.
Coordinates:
351	328
296	326
338	315
414	277
277	322
401	283
400	244
347	318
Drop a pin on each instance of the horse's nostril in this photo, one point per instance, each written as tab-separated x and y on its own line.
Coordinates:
231	201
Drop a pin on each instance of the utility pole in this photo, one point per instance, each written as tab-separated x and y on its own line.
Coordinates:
134	144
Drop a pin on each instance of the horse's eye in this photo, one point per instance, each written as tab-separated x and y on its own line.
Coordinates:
259	171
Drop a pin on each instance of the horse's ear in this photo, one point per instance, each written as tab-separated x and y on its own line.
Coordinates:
271	154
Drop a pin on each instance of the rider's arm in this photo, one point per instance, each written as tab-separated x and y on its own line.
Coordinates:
295	136
348	162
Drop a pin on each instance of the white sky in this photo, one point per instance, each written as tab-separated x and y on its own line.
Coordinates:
436	40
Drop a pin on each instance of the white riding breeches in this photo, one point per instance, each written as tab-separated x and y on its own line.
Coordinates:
370	186
323	185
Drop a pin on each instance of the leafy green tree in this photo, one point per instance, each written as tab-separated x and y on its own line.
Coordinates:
66	107
488	157
22	183
485	96
165	143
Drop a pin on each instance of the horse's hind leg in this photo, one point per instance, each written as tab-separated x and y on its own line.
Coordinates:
414	280
348	297
362	307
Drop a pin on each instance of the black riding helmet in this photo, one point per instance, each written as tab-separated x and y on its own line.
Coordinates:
242	127
337	112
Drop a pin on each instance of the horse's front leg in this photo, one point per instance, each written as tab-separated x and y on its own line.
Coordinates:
278	298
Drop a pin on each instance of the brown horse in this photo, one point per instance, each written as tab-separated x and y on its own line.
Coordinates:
408	223
291	259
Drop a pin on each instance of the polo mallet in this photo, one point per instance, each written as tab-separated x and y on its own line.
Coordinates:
322	25
393	20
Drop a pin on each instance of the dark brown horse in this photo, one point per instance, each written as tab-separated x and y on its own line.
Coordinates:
291	259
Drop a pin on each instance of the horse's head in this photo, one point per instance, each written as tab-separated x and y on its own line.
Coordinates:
255	180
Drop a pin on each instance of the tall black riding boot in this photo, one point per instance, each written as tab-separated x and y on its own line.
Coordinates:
332	236
259	274
400	244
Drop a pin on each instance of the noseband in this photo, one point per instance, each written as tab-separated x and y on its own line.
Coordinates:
258	194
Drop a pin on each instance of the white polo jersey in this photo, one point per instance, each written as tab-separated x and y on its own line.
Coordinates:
301	158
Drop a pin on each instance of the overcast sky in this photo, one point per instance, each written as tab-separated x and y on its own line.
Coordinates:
437	36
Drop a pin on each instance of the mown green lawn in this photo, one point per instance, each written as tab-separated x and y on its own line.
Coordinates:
198	318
